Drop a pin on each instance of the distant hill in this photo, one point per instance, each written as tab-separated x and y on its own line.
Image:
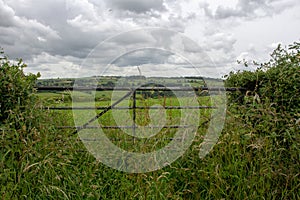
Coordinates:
111	81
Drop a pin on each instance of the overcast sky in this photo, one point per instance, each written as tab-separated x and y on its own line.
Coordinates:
64	38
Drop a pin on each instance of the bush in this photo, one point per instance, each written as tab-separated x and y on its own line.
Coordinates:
276	82
16	91
271	104
23	130
266	120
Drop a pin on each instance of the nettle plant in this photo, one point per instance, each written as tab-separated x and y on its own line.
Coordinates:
17	97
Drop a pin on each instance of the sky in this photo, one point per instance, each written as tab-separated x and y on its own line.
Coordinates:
76	38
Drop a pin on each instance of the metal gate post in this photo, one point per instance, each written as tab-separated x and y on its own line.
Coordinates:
134	113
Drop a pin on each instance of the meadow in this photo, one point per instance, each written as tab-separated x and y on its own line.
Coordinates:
124	116
256	157
58	165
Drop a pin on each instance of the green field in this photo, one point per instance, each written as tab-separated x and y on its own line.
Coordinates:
56	165
257	155
142	115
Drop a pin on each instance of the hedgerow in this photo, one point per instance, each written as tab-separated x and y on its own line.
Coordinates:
268	119
17	99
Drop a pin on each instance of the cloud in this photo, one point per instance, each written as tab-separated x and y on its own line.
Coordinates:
137	6
54	66
32	25
248	9
53	36
220	41
19	33
142	57
77	25
6	13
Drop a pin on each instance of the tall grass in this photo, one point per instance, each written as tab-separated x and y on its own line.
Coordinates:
257	156
54	164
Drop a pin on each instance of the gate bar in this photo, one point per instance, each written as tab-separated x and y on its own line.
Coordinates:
56	88
104	111
130	108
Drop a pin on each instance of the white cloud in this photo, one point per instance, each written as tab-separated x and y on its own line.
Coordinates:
55	66
19	33
22	23
54	36
250	9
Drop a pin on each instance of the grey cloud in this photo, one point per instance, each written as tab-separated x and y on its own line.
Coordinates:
75	27
51	13
191	46
26	36
144	56
134	38
66	31
21	36
6	15
137	6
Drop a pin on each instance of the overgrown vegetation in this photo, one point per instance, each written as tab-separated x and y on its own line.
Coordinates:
16	89
276	82
257	156
269	117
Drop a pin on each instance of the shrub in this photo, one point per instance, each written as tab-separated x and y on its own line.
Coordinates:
16	91
267	120
276	82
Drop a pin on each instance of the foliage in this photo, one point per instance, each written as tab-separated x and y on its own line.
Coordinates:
276	82
16	91
257	156
21	122
269	114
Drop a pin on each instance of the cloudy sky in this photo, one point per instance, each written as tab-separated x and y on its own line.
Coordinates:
73	38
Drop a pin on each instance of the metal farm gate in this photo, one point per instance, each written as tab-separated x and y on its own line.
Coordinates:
131	92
